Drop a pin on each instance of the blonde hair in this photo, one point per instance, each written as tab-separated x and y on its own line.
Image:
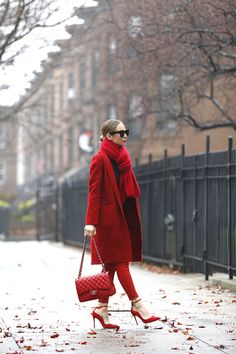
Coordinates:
109	126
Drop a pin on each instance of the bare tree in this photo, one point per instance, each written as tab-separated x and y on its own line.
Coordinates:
18	18
188	49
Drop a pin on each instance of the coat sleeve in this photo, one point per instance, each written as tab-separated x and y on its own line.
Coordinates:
94	193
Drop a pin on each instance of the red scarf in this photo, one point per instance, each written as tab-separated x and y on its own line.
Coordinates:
128	184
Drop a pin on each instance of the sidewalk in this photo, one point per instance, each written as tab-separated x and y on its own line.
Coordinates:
40	313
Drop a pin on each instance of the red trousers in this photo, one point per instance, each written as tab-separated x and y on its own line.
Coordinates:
124	277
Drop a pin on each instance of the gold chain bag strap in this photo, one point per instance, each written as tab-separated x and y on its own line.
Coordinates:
93	286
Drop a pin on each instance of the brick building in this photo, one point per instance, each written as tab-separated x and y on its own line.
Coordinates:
8	139
103	72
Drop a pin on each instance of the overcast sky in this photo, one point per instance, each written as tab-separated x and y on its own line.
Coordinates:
21	73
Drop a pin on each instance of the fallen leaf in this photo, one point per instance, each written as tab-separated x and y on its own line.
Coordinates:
32	312
7	334
54	335
201	327
175	348
190	338
83	343
59	350
221	346
176	303
219	323
43	343
92	332
28	347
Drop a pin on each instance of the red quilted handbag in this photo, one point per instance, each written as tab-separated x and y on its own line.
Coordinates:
93	286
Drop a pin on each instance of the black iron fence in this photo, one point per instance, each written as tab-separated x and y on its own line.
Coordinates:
188	210
47	212
4	221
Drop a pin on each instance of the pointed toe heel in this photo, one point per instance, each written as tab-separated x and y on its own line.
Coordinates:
144	320
138	314
101	320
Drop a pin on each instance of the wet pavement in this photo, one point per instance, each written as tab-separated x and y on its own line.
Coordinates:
40	313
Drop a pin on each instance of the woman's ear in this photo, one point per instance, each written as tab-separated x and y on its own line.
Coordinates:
109	137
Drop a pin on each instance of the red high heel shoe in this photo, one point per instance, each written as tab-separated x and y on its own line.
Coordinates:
100	318
137	314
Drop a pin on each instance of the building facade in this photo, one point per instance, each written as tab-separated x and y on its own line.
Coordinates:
8	138
104	71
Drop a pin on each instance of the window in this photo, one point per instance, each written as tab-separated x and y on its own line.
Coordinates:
112	49
51	155
33	164
45	107
61	160
167	102
135	106
61	95
70	143
82	76
112	45
39	163
45	157
135	26
95	67
111	111
2	138
51	102
3	173
135	115
71	91
71	88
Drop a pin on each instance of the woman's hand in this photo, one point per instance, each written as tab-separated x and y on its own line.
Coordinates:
89	230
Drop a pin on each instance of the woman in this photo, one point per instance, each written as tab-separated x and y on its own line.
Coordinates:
113	217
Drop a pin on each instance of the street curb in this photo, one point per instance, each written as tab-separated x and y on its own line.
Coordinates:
224	284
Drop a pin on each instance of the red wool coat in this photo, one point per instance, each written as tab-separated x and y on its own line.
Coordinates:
118	228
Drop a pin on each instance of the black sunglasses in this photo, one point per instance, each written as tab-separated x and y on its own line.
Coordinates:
121	132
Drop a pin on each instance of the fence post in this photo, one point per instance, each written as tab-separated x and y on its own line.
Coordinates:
195	207
183	250
37	213
148	209
205	250
164	202
57	212
229	228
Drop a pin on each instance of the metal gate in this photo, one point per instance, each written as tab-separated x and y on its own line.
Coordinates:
47	212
